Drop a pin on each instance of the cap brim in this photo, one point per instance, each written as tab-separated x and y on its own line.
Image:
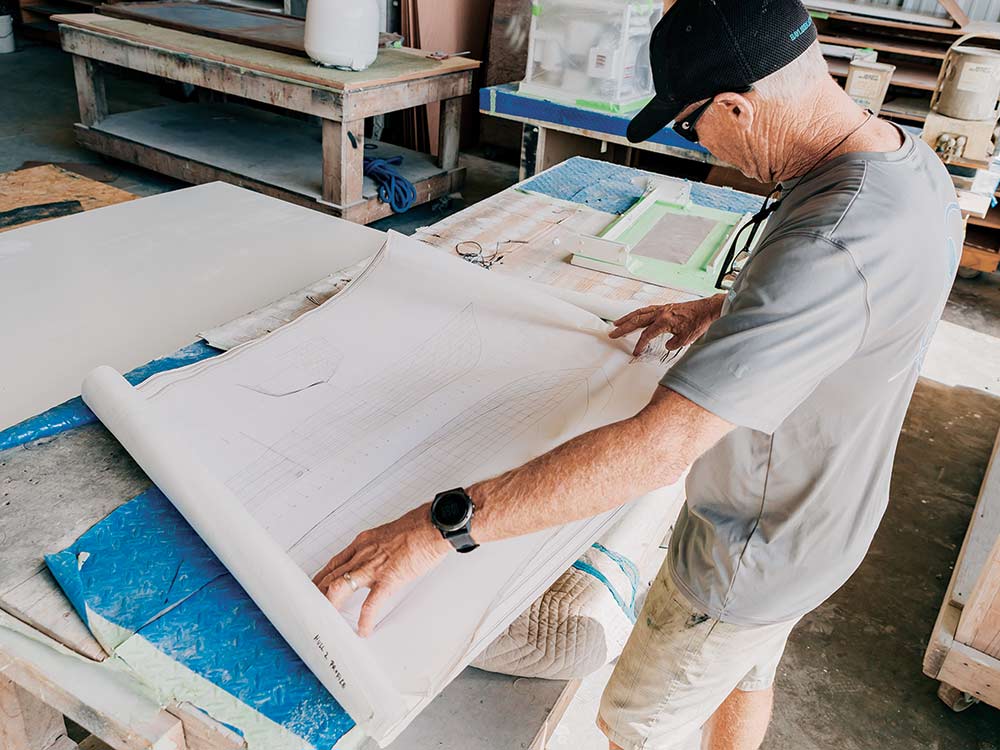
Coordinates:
652	118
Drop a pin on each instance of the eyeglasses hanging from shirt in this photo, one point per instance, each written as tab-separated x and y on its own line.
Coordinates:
736	260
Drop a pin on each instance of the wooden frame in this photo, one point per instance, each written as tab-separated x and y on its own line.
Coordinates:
964	649
274	79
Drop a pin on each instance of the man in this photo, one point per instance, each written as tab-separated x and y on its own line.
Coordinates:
789	403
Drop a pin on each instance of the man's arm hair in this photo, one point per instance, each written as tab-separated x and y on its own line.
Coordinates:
599	470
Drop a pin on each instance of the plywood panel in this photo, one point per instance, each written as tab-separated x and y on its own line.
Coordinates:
28	196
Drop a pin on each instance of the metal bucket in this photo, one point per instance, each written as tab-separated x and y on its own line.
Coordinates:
971	84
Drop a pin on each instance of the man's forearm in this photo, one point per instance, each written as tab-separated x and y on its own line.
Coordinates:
598	470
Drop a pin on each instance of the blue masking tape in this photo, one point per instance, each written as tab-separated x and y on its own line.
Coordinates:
74	413
614	188
144	569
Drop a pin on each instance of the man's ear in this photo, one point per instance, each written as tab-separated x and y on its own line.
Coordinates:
738	107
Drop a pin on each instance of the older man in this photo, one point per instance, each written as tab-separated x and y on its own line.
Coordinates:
788	404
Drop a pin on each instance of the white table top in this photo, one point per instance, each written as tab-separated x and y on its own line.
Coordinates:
126	284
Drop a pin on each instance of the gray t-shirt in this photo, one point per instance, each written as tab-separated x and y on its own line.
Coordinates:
814	359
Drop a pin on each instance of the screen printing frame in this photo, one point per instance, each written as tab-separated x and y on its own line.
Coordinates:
698	274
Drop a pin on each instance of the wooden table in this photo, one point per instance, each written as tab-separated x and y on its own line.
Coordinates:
552	132
272	153
53	490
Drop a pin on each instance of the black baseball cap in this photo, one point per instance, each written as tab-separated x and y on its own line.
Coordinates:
703	48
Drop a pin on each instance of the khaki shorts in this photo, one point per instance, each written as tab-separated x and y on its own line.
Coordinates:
677	668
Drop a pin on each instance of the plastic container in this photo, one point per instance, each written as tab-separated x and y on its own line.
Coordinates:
6	34
971	83
342	33
591	54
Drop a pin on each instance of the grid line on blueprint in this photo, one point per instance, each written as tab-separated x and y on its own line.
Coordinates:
442	358
450	456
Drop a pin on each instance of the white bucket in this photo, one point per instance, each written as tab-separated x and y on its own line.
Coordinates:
342	33
6	34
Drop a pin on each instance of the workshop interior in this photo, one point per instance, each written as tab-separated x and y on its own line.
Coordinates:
369	378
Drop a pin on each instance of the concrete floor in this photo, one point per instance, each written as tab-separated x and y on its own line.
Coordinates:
851	677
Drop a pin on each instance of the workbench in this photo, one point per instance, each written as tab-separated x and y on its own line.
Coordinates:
55	488
288	157
553	131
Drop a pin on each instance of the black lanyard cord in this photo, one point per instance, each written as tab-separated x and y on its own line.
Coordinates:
758	219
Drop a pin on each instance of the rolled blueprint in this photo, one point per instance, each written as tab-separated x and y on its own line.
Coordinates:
312	627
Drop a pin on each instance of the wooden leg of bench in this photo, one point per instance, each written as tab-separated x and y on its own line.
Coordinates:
90	91
28	724
343	161
449	132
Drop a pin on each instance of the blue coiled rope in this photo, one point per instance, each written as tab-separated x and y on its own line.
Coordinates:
393	188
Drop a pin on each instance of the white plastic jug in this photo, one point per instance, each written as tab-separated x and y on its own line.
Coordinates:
342	33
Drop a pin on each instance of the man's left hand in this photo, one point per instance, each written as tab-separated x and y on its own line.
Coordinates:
383	560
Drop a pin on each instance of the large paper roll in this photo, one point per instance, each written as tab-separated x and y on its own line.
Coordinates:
313	628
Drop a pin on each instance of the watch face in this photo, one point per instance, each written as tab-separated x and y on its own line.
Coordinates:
451	510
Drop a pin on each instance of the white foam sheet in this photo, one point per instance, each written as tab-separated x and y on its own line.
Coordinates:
424	374
125	284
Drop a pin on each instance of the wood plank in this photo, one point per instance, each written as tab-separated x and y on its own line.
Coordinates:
978	259
879	11
211	74
976	673
227	137
107	703
40	602
912	108
26	723
978	569
910	76
955	11
983	531
991	220
240	25
204	733
898	46
393	66
53	496
164	162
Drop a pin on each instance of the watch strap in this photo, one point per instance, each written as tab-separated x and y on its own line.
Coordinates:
461	540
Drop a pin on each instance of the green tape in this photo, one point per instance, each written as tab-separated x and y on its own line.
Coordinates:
612	107
819	14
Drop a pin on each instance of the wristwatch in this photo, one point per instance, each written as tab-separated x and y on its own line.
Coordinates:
451	513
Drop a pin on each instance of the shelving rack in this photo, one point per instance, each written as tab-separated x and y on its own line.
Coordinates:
917	50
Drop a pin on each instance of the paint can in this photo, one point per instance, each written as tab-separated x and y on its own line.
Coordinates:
6	34
971	84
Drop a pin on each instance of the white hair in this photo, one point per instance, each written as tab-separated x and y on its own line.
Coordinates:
798	77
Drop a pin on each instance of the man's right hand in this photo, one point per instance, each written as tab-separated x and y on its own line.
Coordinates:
687	321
